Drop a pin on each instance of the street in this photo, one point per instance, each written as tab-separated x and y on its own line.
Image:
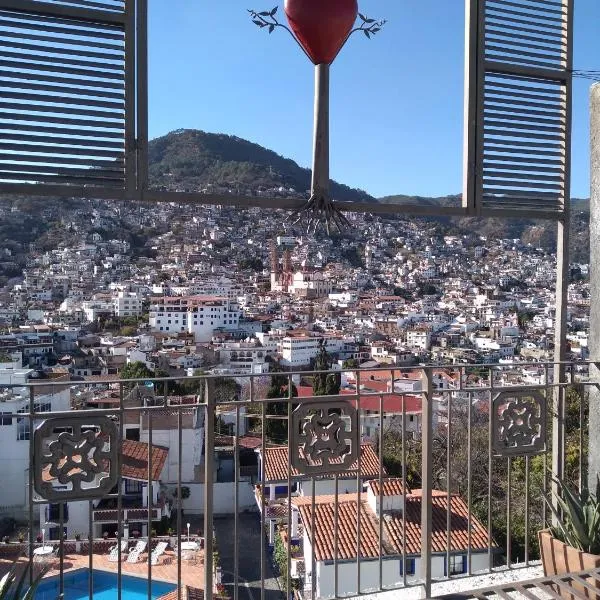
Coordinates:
249	558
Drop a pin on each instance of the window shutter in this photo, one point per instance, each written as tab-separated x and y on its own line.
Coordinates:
68	96
518	106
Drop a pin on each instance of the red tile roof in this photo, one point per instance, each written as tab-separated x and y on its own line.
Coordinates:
459	525
391	487
277	464
135	460
325	529
134	464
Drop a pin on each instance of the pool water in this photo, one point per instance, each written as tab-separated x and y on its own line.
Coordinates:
105	587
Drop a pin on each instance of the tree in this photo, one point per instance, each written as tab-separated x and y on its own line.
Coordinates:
325	384
136	370
276	429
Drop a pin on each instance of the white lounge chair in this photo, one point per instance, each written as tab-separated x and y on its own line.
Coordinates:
133	557
158	552
113	555
140	546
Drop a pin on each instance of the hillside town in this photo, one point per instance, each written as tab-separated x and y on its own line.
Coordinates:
220	283
245	294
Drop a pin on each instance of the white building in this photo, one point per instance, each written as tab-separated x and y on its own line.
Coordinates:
127	304
198	315
397	503
298	351
15	433
310	284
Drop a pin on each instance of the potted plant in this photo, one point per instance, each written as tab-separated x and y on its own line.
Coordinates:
105	535
574	543
15	585
21	538
77	542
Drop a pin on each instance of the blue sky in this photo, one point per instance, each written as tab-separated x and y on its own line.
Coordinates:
396	101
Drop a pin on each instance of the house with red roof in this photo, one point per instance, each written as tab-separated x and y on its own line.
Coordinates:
134	476
381	529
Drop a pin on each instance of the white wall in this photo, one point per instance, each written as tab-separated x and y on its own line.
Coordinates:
326	487
78	520
14	454
223	500
369	573
347	576
169	438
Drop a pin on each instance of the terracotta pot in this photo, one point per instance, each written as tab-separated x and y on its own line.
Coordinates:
560	559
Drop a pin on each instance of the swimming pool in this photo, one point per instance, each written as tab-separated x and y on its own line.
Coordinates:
105	587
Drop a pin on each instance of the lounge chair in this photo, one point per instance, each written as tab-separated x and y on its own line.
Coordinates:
158	552
134	556
140	546
113	555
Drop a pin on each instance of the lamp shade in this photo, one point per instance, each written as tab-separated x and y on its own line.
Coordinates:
321	26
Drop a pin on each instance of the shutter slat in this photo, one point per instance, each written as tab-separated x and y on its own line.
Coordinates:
518	105
66	90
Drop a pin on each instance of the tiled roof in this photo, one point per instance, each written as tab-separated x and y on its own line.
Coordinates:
391	487
277	464
392	543
135	460
347	521
459	525
134	464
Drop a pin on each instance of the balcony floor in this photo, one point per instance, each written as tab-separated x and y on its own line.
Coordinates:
459	584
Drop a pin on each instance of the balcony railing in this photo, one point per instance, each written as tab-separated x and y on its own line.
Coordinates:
366	490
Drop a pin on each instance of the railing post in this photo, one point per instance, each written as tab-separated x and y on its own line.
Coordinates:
562	276
427	480
209	446
594	341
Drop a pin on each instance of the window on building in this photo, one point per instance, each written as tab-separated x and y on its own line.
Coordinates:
458	564
409	566
53	513
5	419
132	433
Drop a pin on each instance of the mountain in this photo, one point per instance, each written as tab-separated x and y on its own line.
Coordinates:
194	160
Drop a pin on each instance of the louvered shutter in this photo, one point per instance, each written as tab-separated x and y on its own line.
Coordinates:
68	97
518	106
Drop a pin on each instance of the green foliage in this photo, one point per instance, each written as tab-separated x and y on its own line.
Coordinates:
276	429
354	256
136	370
579	517
325	384
280	557
350	363
195	159
251	264
16	587
226	390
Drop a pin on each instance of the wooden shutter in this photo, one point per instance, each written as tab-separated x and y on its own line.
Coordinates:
68	97
518	107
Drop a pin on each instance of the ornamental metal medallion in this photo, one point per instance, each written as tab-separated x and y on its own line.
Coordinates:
75	458
519	423
324	437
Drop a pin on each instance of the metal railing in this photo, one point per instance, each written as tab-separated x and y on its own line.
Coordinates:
430	473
